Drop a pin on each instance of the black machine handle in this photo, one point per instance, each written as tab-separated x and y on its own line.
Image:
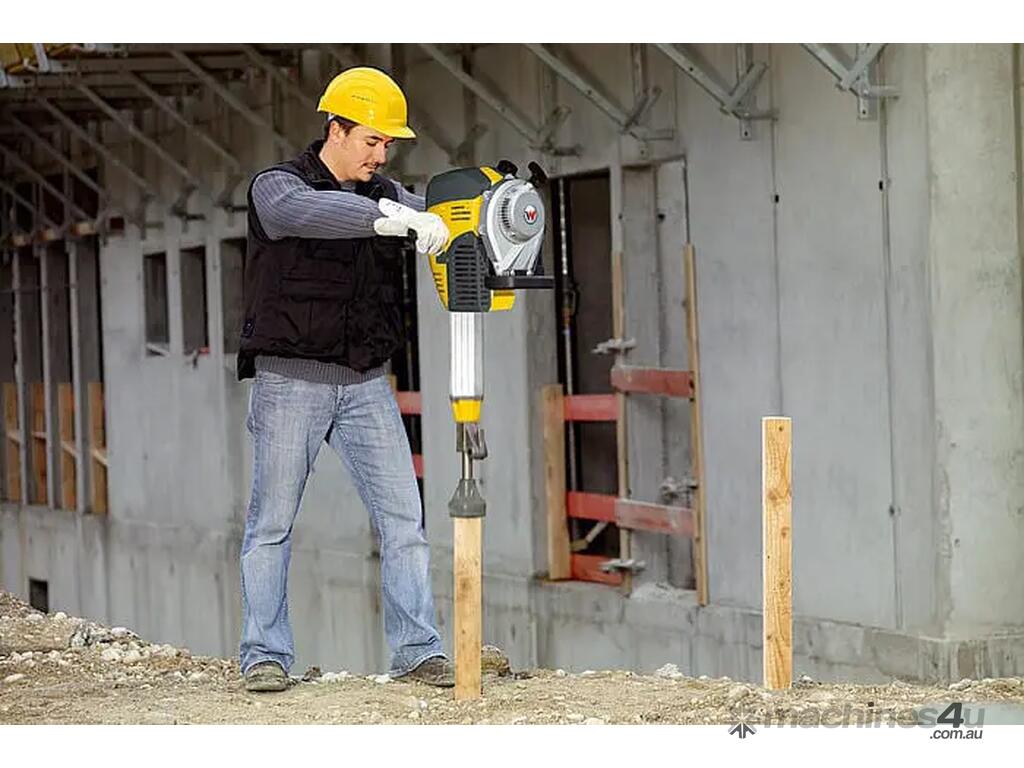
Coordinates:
510	282
537	176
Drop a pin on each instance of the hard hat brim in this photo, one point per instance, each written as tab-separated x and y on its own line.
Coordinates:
398	133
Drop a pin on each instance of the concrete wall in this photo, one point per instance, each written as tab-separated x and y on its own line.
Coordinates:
975	265
860	276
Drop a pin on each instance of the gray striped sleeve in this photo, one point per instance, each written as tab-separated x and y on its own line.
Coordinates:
417	202
287	207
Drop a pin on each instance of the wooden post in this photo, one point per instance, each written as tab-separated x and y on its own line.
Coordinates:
700	552
559	547
39	443
777	494
468	607
98	448
68	451
12	432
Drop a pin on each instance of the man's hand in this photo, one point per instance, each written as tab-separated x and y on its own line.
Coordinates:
398	219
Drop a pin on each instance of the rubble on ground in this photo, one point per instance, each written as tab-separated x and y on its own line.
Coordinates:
62	669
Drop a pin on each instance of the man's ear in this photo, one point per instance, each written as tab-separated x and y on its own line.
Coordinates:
334	132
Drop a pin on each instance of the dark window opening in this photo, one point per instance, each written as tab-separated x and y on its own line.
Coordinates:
581	222
61	405
39	595
194	318
33	409
90	310
157	326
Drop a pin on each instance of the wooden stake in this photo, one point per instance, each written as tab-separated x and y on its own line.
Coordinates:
468	606
39	443
98	445
776	451
700	559
559	547
12	442
66	422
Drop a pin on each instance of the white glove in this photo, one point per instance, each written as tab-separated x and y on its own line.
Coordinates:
431	233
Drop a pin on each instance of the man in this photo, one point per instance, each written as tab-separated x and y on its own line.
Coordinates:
322	318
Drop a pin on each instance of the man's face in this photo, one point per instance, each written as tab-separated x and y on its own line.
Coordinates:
359	153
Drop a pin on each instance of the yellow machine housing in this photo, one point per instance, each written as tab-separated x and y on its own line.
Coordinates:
496	228
468	274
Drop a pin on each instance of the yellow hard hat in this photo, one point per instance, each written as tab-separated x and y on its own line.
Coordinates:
369	97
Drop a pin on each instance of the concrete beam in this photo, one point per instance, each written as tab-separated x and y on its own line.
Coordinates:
99	148
141	137
27	205
232	100
53	152
194	130
289	85
485	94
37	177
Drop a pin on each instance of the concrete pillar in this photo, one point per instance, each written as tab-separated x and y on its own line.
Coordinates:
978	356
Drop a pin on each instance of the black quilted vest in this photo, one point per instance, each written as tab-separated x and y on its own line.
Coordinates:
335	300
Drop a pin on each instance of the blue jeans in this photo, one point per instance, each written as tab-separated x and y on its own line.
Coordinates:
289	419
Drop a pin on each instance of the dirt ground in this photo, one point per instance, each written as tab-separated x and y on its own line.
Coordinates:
57	669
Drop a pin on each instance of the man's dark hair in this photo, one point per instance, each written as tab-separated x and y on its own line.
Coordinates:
346	125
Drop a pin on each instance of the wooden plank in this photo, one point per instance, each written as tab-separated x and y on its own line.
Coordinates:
700	550
591	407
559	545
39	442
13	443
656	518
98	445
468	607
410	403
777	507
630	514
668	382
66	425
590	506
588	568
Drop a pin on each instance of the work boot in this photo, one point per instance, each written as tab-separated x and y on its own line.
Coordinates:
266	676
436	671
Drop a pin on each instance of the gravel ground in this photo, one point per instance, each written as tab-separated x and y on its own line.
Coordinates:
61	669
